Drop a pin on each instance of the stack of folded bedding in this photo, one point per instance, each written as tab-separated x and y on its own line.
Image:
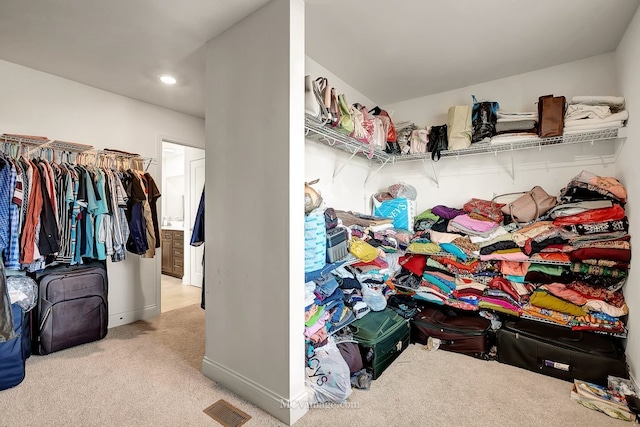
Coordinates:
515	126
593	113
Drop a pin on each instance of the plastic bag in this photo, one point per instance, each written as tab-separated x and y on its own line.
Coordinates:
312	199
23	291
374	298
362	250
328	375
483	119
401	189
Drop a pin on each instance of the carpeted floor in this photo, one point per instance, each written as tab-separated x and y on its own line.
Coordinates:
148	374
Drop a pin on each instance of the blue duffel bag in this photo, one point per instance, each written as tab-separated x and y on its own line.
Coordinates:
14	352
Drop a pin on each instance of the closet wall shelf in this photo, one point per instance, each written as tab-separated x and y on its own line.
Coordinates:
317	131
525	144
24	139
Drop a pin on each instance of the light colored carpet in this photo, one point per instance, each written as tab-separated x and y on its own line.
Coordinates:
148	374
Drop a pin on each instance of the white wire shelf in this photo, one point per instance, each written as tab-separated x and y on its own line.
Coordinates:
525	144
317	131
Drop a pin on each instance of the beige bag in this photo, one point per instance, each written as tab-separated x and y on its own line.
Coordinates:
459	128
529	206
312	199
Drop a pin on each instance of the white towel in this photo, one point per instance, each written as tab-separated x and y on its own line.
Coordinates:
582	111
617	117
615	102
514	137
508	115
593	128
598	100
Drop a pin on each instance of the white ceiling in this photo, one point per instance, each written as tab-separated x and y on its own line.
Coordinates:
390	51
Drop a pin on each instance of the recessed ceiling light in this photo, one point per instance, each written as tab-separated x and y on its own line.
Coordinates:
168	80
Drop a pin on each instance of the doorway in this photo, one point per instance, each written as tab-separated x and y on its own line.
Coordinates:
182	184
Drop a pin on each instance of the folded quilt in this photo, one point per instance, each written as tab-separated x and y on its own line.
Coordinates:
560	290
515	125
583	111
615	102
568	209
595	127
596	270
516	115
513	137
621	116
615	212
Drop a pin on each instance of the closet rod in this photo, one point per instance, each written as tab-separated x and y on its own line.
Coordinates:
62	146
69	146
24	139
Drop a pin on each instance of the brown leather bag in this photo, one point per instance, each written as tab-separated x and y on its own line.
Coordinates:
551	111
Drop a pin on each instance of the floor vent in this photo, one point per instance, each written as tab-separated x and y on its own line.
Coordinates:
227	414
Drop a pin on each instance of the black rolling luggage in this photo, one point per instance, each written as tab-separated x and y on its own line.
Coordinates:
460	333
72	307
560	352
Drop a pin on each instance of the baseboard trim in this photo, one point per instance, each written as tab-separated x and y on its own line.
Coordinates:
120	319
286	410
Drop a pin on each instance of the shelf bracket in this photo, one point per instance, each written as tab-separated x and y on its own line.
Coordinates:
371	174
513	168
435	172
337	171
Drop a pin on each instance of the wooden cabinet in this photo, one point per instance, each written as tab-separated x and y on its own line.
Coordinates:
173	253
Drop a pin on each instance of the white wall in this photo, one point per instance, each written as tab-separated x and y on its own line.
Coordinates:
485	176
37	103
254	212
347	191
628	64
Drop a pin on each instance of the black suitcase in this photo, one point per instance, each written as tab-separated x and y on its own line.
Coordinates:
560	352
72	307
382	336
458	332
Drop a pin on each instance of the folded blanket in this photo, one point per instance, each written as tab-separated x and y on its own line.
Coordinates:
615	102
581	111
543	299
593	128
621	116
514	137
515	125
510	115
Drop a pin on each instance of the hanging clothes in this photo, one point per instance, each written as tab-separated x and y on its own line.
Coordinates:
197	239
67	213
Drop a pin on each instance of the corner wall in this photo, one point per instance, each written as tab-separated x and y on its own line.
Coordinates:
628	63
37	103
255	215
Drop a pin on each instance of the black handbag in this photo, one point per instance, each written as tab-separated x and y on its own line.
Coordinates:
438	141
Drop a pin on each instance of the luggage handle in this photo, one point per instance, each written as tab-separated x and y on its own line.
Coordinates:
569	339
546	363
